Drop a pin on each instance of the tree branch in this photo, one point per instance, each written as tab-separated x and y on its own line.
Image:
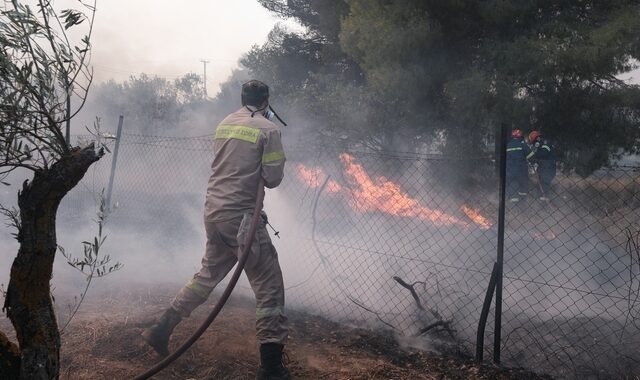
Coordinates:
439	320
411	289
52	126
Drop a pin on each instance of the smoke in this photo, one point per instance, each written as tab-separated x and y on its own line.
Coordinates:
155	228
338	259
563	263
567	278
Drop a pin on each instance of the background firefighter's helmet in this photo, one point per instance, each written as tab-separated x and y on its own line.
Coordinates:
254	93
533	136
516	133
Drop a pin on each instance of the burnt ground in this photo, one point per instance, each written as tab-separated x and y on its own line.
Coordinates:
103	342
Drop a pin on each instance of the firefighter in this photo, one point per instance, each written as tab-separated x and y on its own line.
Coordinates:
247	146
544	157
517	168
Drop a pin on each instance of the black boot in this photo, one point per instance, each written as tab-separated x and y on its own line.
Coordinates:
271	366
157	336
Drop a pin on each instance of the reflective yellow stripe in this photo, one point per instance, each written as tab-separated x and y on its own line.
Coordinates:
546	147
239	132
264	312
514	149
198	289
530	155
272	156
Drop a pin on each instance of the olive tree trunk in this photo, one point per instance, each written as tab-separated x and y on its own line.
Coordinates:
28	303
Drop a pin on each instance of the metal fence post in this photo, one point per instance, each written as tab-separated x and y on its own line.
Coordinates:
114	161
485	313
504	131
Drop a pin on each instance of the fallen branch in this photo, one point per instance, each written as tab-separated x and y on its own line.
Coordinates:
440	321
410	288
414	294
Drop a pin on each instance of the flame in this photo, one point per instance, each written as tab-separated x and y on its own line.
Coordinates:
477	218
387	197
333	187
312	178
382	195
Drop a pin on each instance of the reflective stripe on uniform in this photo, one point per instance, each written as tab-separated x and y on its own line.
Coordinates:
546	147
272	156
514	149
265	312
530	154
198	289
239	132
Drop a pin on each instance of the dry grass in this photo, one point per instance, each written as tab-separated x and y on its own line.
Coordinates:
103	342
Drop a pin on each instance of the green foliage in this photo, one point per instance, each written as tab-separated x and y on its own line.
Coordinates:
321	18
93	264
286	60
228	98
151	104
189	89
98	138
41	69
71	18
532	64
449	72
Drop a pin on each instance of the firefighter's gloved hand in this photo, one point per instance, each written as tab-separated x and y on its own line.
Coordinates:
264	216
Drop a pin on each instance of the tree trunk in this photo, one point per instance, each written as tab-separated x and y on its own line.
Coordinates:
9	359
28	303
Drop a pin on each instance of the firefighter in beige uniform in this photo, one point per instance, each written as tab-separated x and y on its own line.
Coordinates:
247	147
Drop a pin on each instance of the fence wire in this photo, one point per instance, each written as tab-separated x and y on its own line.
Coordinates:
406	243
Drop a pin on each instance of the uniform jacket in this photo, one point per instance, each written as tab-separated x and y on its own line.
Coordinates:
246	148
544	156
517	154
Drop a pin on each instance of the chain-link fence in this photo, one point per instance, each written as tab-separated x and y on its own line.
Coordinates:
406	243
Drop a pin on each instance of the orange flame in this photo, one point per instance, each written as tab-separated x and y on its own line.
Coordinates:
387	197
313	176
333	187
477	218
310	176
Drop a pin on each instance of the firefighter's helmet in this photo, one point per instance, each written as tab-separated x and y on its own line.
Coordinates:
516	134
254	93
533	136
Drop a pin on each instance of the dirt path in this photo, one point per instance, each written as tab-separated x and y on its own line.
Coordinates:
103	342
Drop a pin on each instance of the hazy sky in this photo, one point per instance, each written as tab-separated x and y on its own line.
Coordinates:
169	38
633	76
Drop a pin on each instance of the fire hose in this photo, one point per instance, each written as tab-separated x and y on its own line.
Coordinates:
535	170
242	259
